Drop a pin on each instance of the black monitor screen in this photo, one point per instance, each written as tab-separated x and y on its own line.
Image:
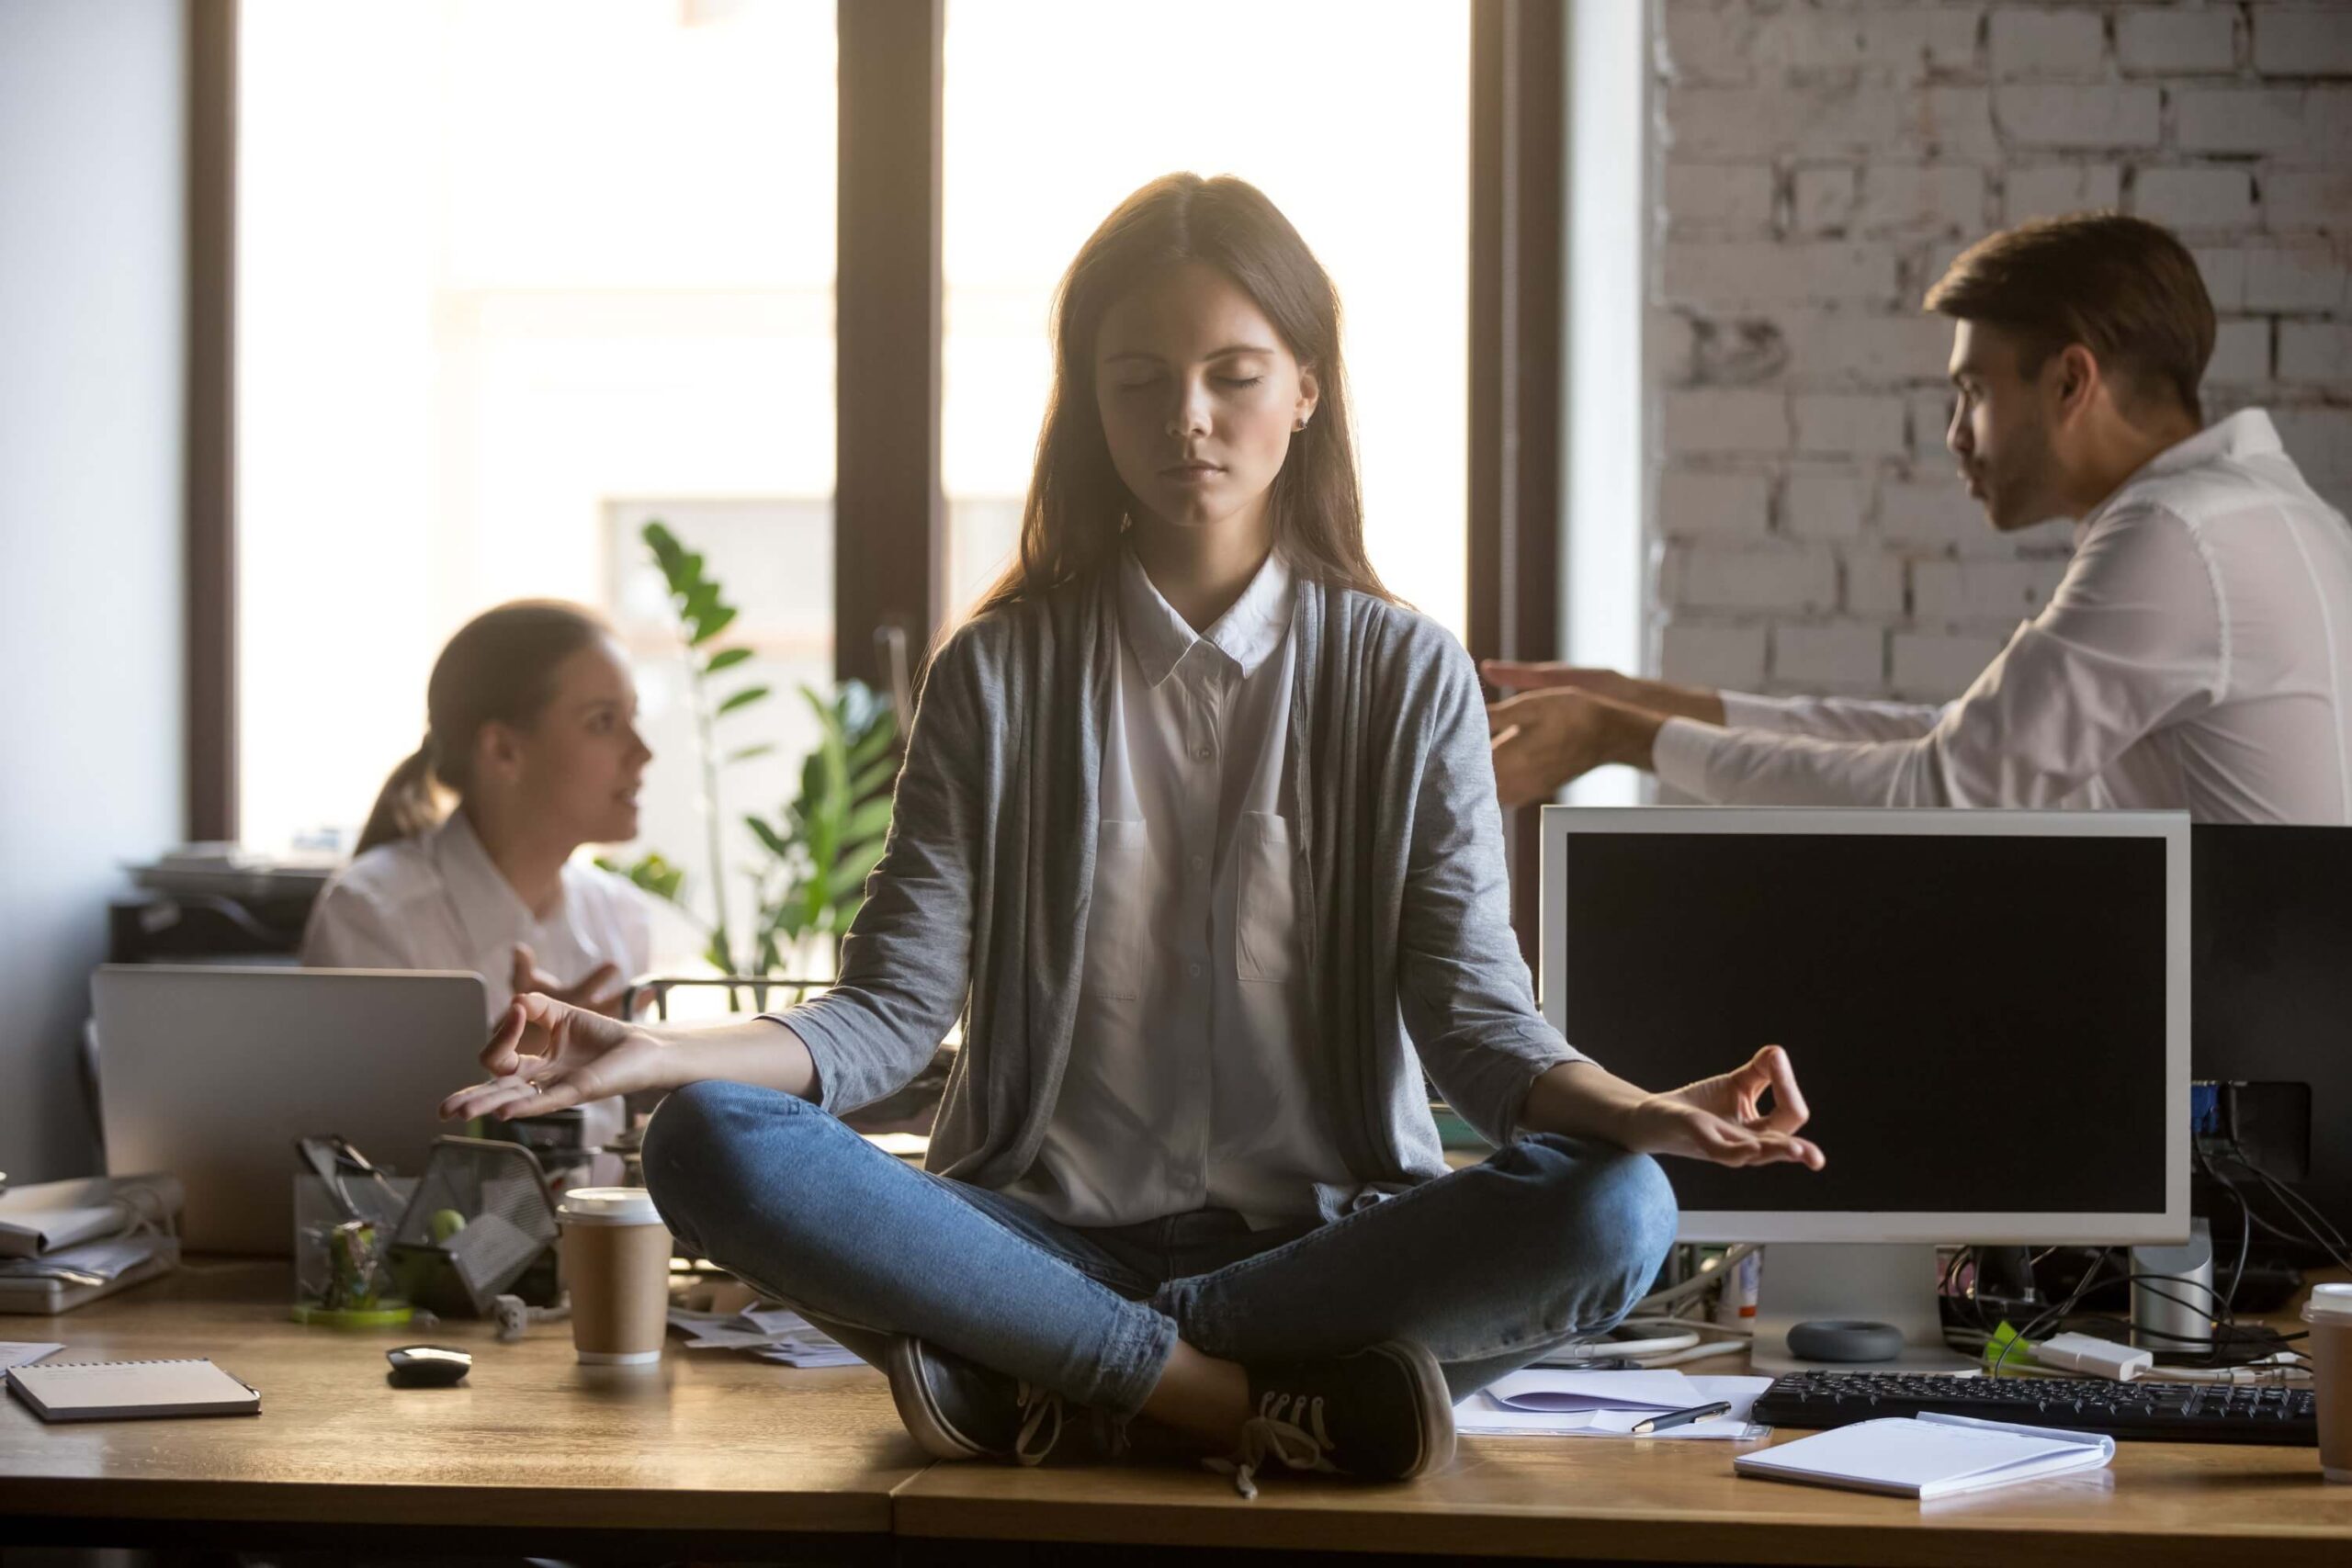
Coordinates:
1977	1020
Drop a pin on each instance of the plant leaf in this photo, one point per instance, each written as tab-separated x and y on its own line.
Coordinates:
741	699
725	659
876	778
745	753
777	845
870	821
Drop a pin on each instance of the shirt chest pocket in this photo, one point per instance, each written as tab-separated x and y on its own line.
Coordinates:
1266	913
1118	932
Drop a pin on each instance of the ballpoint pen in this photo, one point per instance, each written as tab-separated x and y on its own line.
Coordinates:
1659	1423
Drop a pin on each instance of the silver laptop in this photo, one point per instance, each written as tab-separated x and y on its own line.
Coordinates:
211	1074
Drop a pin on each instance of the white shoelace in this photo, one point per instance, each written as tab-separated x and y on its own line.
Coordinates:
1276	1432
1036	1405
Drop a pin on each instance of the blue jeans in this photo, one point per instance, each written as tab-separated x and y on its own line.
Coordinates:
1489	1266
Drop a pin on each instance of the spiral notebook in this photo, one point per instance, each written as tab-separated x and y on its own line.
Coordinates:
118	1390
1930	1456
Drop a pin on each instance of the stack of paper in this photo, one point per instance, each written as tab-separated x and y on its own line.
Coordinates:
1607	1404
1930	1456
779	1333
61	1241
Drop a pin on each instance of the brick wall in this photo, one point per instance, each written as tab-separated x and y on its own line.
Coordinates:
1818	164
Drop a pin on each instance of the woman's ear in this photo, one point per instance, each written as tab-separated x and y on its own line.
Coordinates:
498	752
1310	396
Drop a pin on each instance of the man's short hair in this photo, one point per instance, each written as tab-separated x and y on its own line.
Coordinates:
2124	287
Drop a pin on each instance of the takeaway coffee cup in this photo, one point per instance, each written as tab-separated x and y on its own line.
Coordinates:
2329	1313
616	1255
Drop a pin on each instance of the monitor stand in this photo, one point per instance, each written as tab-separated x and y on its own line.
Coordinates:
1876	1281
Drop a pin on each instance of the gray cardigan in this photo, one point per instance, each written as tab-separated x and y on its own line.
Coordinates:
985	885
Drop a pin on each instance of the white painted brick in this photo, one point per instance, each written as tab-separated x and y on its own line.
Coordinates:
1841	422
1831	658
1761	273
2315	352
1824	503
2047	43
1699	653
2302	43
1693	505
1796	579
2053	190
1750	122
1943	197
1708	421
1930	418
2173	42
1823	198
2309	199
1938	666
2089	116
1928	514
1999	592
1873	584
1720	196
2320	440
1708	41
1844	347
2224	274
2241	353
2294	277
1895	42
1670	346
2188	199
2239	119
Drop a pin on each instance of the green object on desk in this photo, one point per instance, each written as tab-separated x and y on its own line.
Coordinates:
383	1315
2007	1350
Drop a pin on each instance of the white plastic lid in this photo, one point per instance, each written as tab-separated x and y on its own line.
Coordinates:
2332	1303
608	1206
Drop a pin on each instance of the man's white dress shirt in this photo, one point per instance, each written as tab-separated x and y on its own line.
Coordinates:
1187	1086
2197	654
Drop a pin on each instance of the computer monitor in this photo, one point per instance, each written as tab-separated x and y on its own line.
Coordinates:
1987	1013
2272	1021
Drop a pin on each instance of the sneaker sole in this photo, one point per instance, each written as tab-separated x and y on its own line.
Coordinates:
1436	1405
921	1414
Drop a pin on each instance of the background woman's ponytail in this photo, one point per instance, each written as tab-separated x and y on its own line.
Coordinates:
406	805
499	668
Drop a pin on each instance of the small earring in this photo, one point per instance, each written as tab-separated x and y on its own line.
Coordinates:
1302	421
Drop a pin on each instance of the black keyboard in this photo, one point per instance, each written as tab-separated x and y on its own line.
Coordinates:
2153	1412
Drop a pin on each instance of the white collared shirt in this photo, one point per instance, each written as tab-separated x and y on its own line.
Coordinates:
1188	1085
2197	654
438	901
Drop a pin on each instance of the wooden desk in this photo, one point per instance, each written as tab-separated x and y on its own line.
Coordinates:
710	1444
721	1455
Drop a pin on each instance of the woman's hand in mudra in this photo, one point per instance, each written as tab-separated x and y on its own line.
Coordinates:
1723	1119
547	1055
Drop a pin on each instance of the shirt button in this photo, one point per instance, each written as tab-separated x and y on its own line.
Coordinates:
1202	753
1193	970
1200	862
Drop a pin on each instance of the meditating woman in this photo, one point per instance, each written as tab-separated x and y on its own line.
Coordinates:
1198	822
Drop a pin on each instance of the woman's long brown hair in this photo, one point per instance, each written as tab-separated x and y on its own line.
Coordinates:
1070	524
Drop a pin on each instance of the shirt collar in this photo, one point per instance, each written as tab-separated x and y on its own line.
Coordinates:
2247	433
1245	634
492	912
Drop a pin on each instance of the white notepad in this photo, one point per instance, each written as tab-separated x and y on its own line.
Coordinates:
112	1391
1933	1456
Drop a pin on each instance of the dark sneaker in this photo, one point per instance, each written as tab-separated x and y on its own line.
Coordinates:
957	1409
1379	1414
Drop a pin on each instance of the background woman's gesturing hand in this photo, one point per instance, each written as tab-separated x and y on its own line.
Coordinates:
547	1055
1723	1119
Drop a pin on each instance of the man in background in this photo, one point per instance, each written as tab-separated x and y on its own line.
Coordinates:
2197	654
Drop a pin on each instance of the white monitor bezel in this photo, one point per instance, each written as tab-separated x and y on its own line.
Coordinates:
2168	1225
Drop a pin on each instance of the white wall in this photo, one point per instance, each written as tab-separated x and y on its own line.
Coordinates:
92	112
1821	165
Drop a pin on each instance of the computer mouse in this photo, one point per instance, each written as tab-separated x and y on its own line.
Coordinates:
428	1366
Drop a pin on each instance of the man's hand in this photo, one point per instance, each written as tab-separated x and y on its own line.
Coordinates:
547	1055
1722	1119
1545	739
1701	703
600	991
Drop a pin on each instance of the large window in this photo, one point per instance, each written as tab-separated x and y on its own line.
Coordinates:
1055	109
515	276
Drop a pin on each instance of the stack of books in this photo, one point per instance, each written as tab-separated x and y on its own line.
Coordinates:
63	1243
